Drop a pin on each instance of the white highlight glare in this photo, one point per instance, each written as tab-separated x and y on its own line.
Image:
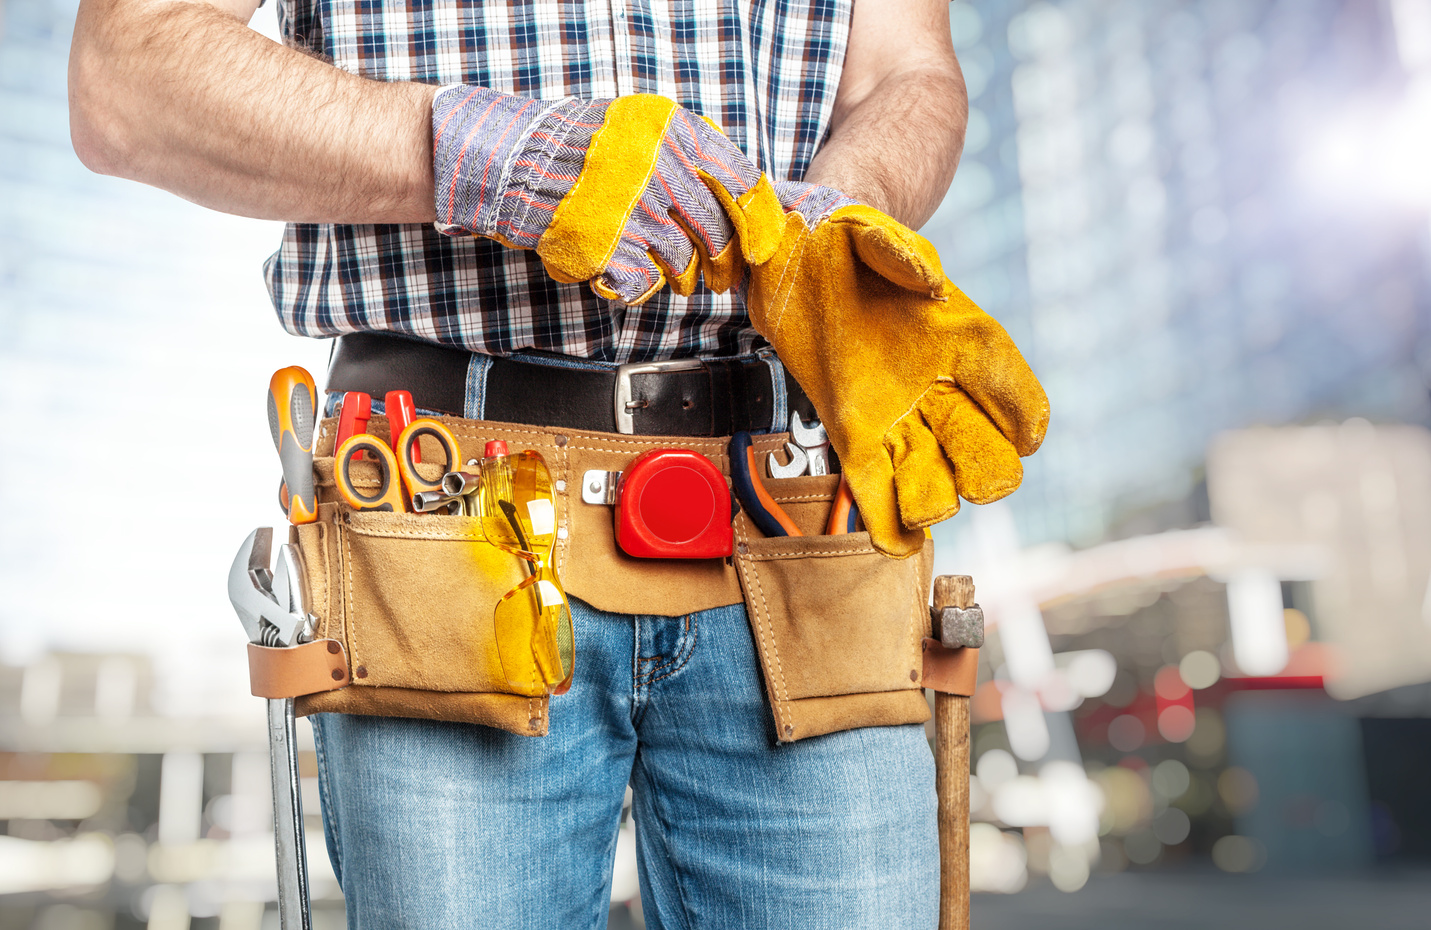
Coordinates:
996	767
1259	634
1383	159
1024	723
1091	671
542	513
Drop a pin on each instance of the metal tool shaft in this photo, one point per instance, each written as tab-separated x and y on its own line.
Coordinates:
293	912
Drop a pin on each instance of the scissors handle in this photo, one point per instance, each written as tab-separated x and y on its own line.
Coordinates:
408	449
389	496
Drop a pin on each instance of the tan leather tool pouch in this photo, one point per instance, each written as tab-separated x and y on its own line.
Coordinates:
410	597
837	624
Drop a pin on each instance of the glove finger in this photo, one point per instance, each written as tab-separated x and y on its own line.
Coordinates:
986	464
688	200
630	275
992	371
713	150
757	215
682	280
871	480
924	481
722	270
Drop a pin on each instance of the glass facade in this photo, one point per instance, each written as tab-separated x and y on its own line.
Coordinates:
1164	204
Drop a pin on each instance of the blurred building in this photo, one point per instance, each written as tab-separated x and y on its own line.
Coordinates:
1192	216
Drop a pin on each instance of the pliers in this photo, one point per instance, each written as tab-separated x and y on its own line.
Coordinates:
765	513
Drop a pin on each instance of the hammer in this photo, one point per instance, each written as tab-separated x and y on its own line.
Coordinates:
951	668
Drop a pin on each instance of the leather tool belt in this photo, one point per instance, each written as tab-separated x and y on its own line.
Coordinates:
686	397
409	597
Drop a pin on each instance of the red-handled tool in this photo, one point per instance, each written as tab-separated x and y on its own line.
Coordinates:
353	416
401	412
292	406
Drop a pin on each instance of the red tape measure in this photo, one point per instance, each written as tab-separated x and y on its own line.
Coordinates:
673	504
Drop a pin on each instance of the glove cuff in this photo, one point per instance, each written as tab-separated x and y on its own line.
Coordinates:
812	201
478	136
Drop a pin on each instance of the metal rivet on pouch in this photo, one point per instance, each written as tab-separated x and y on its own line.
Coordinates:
742	548
534	724
913	675
472	462
789	730
561	484
560	440
337	674
333	647
362	671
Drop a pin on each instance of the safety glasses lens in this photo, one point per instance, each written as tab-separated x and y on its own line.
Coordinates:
534	636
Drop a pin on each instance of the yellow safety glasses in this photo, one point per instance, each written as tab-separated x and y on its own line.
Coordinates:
533	620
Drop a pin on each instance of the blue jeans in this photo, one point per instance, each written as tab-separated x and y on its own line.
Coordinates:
442	825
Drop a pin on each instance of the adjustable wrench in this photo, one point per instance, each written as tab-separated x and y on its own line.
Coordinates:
273	610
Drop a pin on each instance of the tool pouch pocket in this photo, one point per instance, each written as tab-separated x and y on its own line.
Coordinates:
411	599
838	625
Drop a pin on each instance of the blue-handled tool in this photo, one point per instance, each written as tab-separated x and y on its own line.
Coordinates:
769	516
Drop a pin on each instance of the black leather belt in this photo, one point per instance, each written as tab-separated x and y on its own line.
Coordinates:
686	397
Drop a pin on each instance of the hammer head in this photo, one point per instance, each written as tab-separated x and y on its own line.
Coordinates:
960	626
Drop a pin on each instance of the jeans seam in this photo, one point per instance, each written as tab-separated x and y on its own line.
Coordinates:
321	757
669	851
474	401
690	651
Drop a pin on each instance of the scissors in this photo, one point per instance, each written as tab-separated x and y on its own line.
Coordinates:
395	465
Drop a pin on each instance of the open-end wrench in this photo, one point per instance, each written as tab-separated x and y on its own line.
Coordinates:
814	441
799	461
272	608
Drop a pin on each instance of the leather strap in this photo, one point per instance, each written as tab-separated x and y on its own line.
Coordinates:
321	665
951	671
716	399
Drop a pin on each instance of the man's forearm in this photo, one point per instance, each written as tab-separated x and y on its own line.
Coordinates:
897	149
184	96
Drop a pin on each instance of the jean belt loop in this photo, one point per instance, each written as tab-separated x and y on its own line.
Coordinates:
475	397
779	408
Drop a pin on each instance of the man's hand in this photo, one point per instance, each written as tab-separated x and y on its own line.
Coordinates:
605	191
181	94
898	126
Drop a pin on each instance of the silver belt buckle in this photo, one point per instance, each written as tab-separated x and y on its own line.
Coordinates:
625	403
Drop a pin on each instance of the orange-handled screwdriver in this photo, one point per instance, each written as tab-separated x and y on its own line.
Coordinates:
292	411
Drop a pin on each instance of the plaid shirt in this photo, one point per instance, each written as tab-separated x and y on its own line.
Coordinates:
765	71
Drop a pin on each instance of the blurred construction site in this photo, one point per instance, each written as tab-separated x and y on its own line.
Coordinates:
1206	696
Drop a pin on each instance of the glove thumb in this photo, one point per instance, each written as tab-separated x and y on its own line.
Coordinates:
893	251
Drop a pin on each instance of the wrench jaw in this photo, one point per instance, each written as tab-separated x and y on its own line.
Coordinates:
799	461
271	606
290	593
248	589
814	441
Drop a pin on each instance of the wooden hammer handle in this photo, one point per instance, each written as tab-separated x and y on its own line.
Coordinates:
951	775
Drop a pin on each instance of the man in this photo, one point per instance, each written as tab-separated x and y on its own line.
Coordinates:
344	134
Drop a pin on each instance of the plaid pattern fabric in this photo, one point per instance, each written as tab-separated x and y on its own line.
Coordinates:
765	71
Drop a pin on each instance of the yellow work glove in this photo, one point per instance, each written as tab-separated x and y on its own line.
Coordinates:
924	395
